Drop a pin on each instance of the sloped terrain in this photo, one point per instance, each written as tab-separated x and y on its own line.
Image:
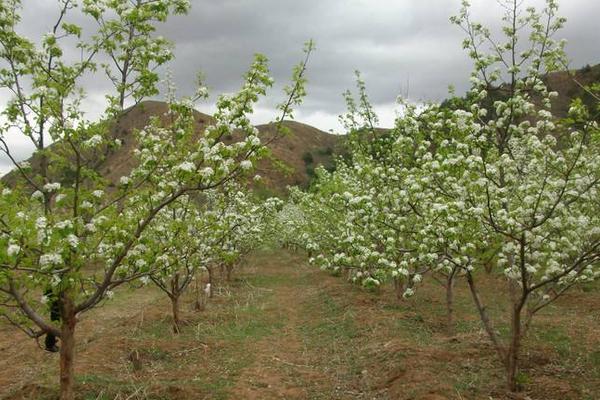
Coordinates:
292	161
568	89
286	166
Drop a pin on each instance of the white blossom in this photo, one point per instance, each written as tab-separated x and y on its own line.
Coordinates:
13	250
246	164
50	259
52	187
207	172
186	166
73	240
93	141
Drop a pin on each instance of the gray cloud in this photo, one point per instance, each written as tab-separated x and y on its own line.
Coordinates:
394	43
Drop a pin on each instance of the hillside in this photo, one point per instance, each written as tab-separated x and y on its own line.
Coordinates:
294	157
568	84
290	150
292	160
564	85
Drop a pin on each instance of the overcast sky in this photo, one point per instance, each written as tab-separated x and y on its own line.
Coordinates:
400	46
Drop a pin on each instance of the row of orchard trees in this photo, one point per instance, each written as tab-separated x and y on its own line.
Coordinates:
66	234
493	182
196	236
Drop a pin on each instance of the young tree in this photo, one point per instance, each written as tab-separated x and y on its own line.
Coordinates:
494	181
533	179
176	243
245	225
48	236
67	237
221	227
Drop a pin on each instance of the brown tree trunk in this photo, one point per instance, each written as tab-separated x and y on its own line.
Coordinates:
67	348
512	355
485	319
210	280
229	269
198	304
450	304
176	320
398	289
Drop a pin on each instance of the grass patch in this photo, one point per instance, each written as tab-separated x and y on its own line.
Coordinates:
268	281
330	321
467	325
557	338
239	330
414	327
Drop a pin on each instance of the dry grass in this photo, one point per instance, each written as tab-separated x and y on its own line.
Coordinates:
282	330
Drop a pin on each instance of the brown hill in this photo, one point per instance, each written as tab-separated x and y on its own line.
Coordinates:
569	86
294	157
292	161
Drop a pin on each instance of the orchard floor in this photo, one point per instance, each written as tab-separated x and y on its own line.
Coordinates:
283	330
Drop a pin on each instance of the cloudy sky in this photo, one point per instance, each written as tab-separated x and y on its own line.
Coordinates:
400	46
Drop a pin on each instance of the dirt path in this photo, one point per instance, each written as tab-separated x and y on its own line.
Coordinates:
280	369
291	363
284	330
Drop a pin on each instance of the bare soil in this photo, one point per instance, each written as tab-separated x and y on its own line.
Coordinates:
283	330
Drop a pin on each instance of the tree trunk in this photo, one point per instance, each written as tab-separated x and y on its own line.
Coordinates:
176	320
485	319
67	348
210	280
450	304
229	269
512	356
398	288
199	303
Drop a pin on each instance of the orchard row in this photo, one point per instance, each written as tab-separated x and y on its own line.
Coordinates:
492	183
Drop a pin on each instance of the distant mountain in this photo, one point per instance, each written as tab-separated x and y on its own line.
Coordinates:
568	89
568	84
292	161
294	157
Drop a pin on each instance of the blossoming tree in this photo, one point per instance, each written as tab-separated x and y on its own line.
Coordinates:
531	179
67	237
494	181
219	228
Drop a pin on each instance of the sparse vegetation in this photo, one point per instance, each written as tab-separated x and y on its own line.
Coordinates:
308	158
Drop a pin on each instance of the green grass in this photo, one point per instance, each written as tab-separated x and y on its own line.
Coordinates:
267	281
594	358
246	323
415	328
557	338
219	387
335	321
